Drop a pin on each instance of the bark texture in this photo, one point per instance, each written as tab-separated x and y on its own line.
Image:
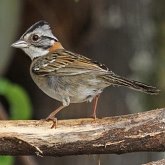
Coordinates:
112	135
159	162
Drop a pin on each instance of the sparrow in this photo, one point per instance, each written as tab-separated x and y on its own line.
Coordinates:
66	76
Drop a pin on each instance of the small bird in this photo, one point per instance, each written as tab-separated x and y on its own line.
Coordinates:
66	76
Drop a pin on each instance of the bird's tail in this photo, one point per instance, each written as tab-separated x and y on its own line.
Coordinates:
116	80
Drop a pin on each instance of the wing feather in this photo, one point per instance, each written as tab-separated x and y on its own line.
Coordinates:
63	62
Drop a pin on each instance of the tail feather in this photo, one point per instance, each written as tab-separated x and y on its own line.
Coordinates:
116	80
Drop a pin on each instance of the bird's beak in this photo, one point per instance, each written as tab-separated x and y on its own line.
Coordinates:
20	44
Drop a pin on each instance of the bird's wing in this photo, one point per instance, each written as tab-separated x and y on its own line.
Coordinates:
63	63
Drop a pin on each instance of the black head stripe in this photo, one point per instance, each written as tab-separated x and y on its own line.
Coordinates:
51	38
36	25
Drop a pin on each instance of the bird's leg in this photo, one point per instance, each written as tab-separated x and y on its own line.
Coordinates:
95	101
52	117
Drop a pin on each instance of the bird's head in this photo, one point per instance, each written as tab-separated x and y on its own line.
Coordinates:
38	40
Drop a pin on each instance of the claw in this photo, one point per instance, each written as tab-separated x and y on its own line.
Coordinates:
52	117
54	120
94	116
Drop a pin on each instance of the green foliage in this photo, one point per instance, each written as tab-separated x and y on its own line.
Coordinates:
20	106
6	160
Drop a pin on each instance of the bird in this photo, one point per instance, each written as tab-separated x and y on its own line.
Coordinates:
66	76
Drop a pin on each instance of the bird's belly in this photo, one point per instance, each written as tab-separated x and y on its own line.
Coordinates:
61	88
84	94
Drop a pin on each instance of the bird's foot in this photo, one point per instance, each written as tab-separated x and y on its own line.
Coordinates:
94	116
54	120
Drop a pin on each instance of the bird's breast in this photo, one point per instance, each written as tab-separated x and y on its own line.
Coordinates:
77	89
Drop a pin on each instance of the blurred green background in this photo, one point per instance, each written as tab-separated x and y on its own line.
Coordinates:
127	36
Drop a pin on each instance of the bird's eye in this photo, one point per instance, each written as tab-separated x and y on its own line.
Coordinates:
35	37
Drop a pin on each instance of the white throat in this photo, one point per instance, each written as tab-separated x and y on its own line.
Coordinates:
35	52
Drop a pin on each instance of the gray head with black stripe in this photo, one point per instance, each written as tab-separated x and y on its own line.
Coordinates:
37	40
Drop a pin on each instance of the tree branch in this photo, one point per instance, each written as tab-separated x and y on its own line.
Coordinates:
159	162
121	134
